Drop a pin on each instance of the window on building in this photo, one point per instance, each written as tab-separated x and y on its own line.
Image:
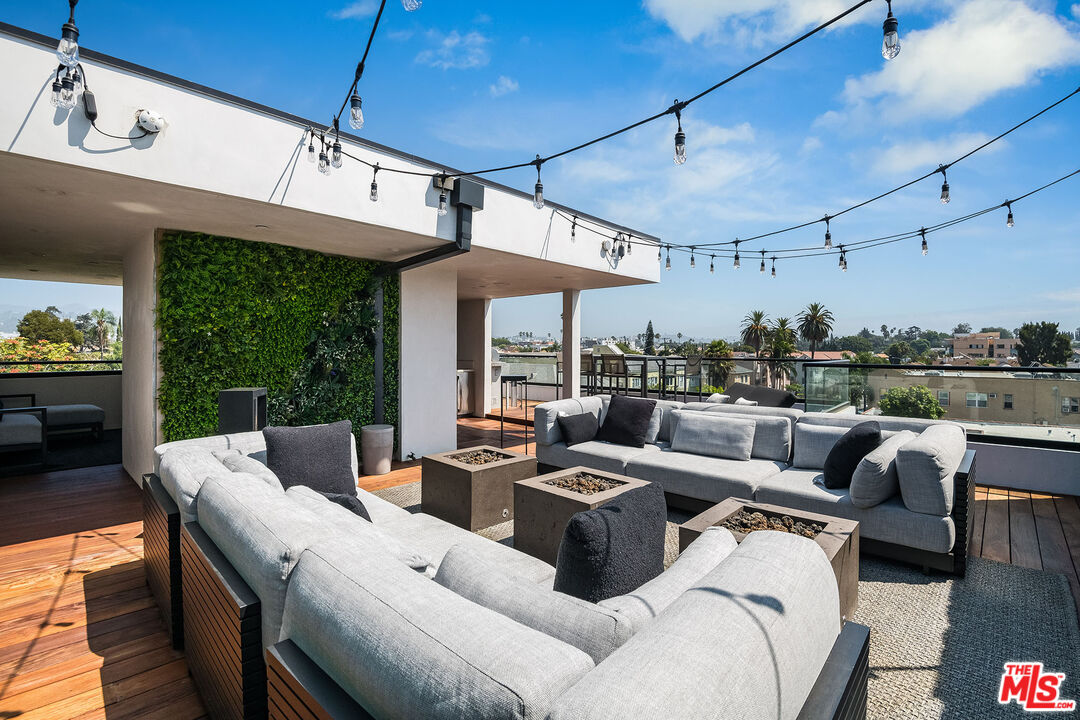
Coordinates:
1008	401
976	400
943	397
1001	346
1070	405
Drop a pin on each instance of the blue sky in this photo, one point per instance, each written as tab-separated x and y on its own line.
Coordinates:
826	125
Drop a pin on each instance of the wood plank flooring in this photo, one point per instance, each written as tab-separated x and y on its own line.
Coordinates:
80	636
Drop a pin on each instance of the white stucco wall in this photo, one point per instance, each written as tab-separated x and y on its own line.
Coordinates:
428	384
73	388
474	350
140	380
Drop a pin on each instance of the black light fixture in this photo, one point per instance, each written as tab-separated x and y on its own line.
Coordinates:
68	49
659	253
311	156
693	262
828	233
737	264
1009	221
335	152
573	229
680	136
356	112
890	46
538	191
668	264
774	266
762	270
712	260
925	249
374	183
945	197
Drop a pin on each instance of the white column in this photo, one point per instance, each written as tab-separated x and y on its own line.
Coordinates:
474	350
141	424
571	343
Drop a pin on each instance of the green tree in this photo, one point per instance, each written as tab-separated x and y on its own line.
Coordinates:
899	350
915	402
962	329
885	331
855	344
103	321
919	346
43	325
650	340
815	324
501	342
1042	343
755	330
780	345
720	363
1006	334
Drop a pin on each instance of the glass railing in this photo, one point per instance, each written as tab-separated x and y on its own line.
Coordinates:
1035	403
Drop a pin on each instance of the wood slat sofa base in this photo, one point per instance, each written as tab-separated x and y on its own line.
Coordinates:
222	631
161	555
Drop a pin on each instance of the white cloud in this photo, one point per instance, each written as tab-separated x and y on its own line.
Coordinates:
360	9
503	86
1068	296
455	51
903	157
1076	11
811	145
400	35
983	48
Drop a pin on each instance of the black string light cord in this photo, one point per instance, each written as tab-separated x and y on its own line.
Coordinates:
677	107
90	109
360	66
864	203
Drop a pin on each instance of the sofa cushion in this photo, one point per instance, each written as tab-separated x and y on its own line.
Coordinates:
626	421
576	429
887	422
718	398
792	414
236	461
748	641
183	470
404	646
77	414
262	533
848	451
247	443
890	521
614	549
874	480
314	455
545	422
764	396
722	436
926	465
642	605
593	454
433	538
698	476
593	629
772	433
341	522
350	502
813	444
744	401
667	407
20	429
382	512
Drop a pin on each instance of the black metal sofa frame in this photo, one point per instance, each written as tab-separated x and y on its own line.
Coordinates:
42	412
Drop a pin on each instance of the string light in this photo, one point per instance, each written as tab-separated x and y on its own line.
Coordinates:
945	198
324	162
311	156
68	49
828	234
774	266
712	259
356	112
411	5
538	192
925	249
1009	220
374	183
335	154
668	264
443	209
680	136
762	270
737	264
573	230
659	254
693	262
629	246
890	46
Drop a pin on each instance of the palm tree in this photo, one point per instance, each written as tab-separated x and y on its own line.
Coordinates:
720	363
781	345
103	319
755	330
815	324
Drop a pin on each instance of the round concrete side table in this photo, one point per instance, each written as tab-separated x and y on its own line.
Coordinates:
377	448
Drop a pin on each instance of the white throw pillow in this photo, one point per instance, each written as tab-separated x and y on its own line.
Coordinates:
744	401
718	398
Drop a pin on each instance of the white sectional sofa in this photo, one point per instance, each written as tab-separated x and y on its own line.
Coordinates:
408	616
929	526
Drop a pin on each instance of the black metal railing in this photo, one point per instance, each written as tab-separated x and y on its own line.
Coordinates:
36	367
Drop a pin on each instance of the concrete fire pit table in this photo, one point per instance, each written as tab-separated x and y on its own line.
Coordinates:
839	539
473	488
542	510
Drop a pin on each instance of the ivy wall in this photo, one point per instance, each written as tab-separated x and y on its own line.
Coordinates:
233	313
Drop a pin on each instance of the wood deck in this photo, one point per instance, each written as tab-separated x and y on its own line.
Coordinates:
80	636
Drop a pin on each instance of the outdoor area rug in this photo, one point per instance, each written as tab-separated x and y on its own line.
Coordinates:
938	643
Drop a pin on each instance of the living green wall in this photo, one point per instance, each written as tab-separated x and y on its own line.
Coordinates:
233	313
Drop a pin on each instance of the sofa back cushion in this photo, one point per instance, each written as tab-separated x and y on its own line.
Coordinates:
236	461
848	452
767	397
723	436
887	423
813	444
262	533
545	416
183	470
772	434
576	429
312	455
875	479
925	466
404	646
627	421
590	628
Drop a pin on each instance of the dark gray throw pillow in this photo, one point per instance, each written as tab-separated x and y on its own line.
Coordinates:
578	428
316	456
614	549
349	502
626	421
849	451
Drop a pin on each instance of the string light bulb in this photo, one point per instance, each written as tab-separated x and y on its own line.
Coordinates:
356	112
68	48
828	234
335	154
925	248
890	46
443	209
774	266
680	136
54	99
67	92
762	269
693	262
737	264
411	5
667	265
324	162
629	245
659	254
1009	222
573	230
374	183
311	156
712	260
945	197
538	191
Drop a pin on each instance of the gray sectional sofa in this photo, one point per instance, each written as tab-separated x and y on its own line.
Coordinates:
408	616
926	522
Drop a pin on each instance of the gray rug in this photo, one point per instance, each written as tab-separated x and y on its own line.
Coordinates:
938	643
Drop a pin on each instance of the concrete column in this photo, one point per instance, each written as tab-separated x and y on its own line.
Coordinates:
141	424
474	350
571	343
428	373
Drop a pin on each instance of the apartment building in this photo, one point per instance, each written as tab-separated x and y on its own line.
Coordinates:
983	345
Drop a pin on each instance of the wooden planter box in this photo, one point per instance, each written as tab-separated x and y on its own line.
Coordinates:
839	540
472	496
542	511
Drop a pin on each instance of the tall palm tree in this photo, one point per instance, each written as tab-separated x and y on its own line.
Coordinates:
815	325
720	363
781	345
755	330
103	319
